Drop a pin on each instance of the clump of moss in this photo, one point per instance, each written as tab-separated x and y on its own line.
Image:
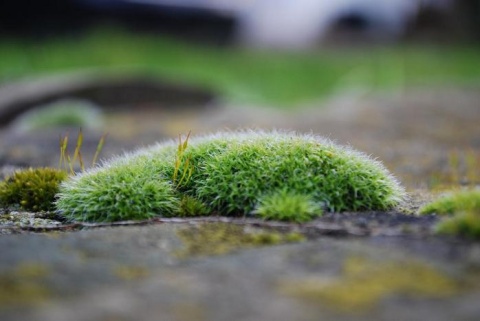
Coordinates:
288	206
463	210
117	194
465	224
231	173
190	207
32	189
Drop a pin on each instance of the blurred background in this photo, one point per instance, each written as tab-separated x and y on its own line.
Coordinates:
396	78
265	51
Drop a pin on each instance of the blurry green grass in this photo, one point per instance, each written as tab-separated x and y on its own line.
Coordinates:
272	78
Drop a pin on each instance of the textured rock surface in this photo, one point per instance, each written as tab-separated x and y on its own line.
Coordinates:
390	265
135	273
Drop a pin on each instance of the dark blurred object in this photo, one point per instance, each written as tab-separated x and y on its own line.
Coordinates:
53	17
112	92
41	17
269	23
469	11
203	20
459	21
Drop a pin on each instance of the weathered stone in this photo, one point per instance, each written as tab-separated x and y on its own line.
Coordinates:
132	273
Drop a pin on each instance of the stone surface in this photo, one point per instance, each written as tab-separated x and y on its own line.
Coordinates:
353	266
135	273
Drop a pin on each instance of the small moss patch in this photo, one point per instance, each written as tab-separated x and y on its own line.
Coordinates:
363	284
32	189
461	201
240	173
463	210
221	238
465	224
191	207
288	206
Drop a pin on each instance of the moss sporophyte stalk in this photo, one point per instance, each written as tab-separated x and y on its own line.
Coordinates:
34	189
273	175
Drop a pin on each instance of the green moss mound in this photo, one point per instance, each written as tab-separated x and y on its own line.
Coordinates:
116	194
231	174
463	210
32	189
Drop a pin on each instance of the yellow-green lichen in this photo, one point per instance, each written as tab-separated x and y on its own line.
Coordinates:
222	238
21	219
23	285
129	273
363	284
